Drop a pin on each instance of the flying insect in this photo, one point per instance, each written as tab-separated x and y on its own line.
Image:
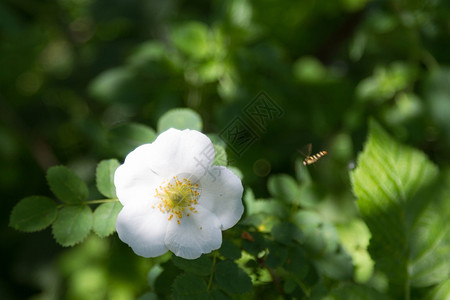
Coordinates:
310	159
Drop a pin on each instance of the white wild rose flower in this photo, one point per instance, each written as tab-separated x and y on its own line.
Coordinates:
174	198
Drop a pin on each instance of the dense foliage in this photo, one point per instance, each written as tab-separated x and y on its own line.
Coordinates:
82	83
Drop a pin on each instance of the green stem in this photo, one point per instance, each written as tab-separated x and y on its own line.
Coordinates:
408	282
101	201
97	201
213	267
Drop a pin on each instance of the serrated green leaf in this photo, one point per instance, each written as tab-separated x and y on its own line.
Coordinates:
180	118
256	244
72	225
430	245
66	185
105	216
283	187
219	295
392	183
188	286
105	177
227	270
33	214
200	266
230	250
166	278
126	137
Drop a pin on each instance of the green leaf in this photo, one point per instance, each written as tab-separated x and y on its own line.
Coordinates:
286	233
386	81
264	206
126	137
188	286
231	278
337	265
219	295
230	250
163	281
105	177
192	39
350	291
441	291
66	185
105	216
283	187
113	85
148	296
393	184
220	158
430	245
72	225
278	255
354	236
180	118
200	266
297	262
319	236
33	213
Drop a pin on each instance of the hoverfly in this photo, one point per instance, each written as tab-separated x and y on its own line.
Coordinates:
310	159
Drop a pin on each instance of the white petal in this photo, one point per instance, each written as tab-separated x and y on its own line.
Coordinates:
221	193
176	152
196	234
136	178
143	228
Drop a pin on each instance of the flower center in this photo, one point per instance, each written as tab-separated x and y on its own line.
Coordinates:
178	197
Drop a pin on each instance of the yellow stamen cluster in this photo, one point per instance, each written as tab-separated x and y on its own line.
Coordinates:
178	197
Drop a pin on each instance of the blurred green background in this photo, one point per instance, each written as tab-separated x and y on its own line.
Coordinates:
73	71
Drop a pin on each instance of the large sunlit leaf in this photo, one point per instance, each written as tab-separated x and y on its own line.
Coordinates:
66	185
33	213
393	184
105	217
105	177
72	225
441	291
180	118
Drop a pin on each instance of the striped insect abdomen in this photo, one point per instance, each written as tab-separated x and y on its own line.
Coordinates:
313	158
